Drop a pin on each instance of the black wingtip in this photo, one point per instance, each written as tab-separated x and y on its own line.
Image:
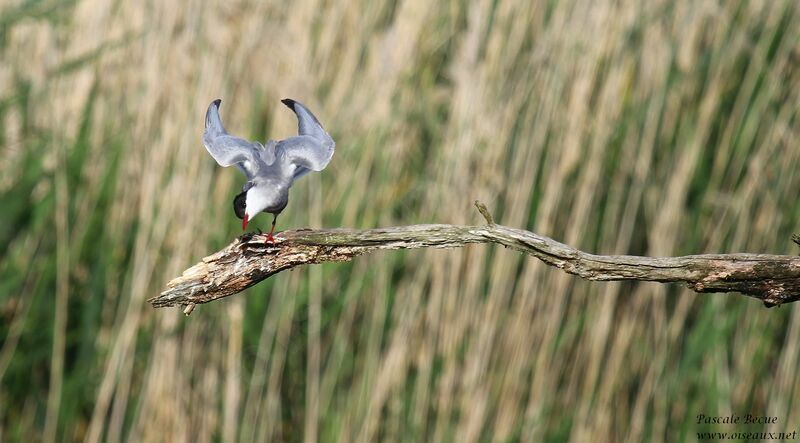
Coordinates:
289	103
217	102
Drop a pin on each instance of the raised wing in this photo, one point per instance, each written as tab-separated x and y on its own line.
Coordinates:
312	149
228	150
305	152
307	123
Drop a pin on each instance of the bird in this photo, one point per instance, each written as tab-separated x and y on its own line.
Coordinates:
271	168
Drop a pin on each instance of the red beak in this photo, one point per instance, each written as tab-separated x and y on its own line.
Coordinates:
244	222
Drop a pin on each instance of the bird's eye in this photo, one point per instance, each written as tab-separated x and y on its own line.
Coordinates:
239	204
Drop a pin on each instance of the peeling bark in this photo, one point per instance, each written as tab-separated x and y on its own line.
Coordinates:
773	279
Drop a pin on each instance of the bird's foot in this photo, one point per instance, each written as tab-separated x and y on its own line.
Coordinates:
270	238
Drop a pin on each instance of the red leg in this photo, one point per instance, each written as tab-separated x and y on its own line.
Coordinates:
270	238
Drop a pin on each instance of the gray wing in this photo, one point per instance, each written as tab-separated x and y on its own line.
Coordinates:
228	150
304	152
307	123
299	172
312	149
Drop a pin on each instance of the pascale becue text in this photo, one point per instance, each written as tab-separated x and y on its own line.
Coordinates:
735	419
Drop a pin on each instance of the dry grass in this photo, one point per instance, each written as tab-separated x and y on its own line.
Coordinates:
616	126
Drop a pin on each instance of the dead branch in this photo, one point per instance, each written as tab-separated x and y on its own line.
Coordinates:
773	279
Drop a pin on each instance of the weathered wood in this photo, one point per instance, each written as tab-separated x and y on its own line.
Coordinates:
773	279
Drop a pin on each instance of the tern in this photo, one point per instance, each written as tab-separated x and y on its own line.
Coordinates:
271	168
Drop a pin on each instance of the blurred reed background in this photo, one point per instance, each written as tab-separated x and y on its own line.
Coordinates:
641	127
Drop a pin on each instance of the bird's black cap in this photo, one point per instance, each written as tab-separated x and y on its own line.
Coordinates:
239	205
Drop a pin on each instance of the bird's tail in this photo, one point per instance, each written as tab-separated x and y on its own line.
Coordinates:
213	120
